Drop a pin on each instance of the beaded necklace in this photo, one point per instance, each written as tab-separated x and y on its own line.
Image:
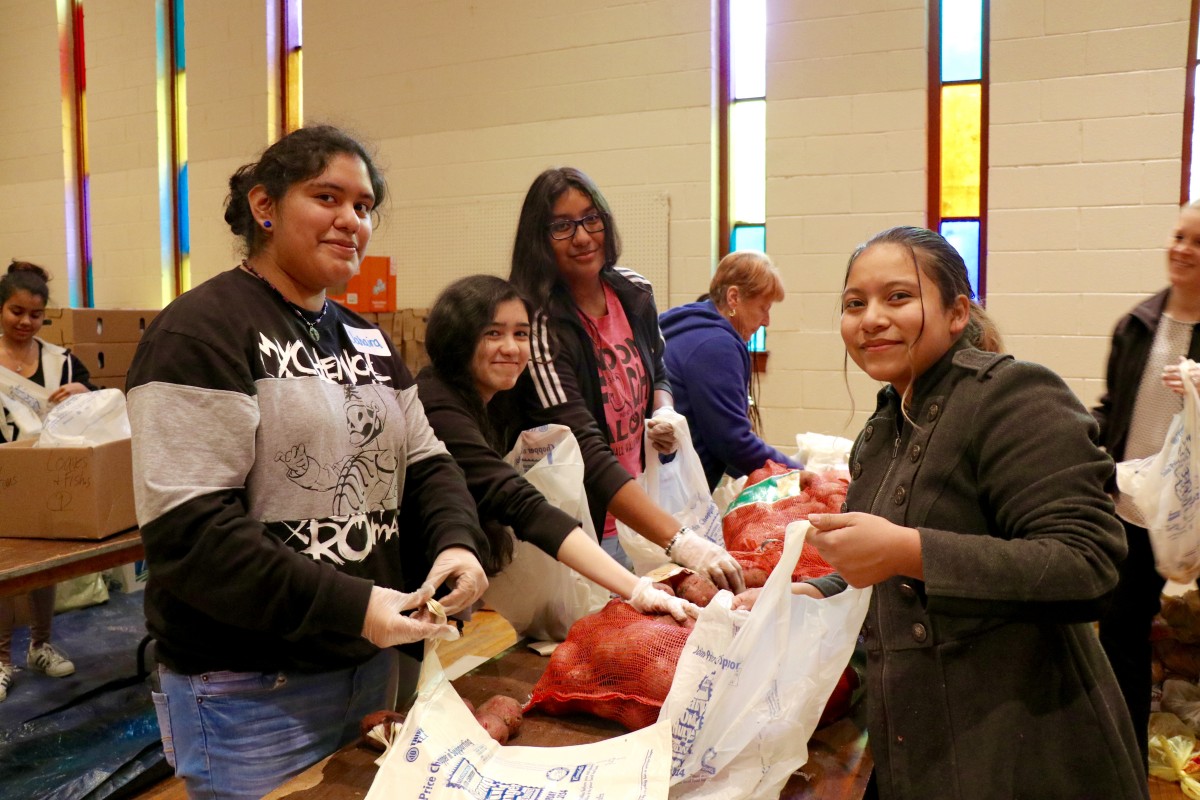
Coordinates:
309	326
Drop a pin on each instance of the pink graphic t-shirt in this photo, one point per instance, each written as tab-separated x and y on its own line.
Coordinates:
625	386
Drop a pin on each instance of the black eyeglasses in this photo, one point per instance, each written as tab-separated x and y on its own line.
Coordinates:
565	228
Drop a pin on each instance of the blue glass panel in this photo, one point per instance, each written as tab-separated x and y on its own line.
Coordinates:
758	342
962	40
748	237
747	48
964	236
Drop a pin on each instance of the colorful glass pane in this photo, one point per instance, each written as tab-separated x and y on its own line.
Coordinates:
961	122
962	40
748	160
964	236
747	48
748	237
758	342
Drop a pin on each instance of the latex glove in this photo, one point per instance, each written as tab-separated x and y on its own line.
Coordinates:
458	567
700	555
648	600
665	428
385	625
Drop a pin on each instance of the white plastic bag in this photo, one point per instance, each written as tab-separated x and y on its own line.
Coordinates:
750	687
85	420
538	595
1165	488
442	753
819	452
24	403
679	488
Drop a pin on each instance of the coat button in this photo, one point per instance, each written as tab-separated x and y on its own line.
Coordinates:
898	498
934	409
918	631
868	433
907	591
845	507
856	470
914	453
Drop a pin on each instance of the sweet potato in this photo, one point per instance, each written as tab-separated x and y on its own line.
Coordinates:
755	577
666	587
494	726
697	589
506	708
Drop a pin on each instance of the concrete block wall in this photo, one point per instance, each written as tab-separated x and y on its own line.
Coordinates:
470	101
33	184
1086	137
122	116
845	159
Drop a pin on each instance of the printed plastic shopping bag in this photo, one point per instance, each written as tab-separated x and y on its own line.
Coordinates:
23	403
1165	488
86	420
680	488
750	687
539	596
442	753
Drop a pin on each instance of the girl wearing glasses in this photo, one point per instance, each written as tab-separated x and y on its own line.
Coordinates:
597	362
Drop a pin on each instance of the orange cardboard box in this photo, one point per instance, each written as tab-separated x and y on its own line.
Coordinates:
373	289
106	360
68	326
66	492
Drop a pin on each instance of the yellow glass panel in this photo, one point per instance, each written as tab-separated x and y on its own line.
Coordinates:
748	161
961	124
295	77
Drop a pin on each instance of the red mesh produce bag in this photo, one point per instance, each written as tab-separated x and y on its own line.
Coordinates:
616	663
755	523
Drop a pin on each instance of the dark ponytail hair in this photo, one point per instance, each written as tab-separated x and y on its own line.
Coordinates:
302	154
941	263
27	276
534	267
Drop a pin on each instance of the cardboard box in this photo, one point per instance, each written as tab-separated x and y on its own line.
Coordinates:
68	326
66	492
130	577
109	381
106	360
372	289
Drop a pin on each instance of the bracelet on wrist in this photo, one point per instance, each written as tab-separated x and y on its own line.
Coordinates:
674	539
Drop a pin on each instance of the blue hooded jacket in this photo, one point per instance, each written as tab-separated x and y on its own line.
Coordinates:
709	368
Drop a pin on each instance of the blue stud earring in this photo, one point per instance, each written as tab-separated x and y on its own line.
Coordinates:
266	223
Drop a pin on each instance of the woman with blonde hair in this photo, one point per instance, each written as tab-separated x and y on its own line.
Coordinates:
709	364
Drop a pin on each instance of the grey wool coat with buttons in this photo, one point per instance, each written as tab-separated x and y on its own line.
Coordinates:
986	680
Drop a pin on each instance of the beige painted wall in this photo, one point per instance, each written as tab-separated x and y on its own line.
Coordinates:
466	102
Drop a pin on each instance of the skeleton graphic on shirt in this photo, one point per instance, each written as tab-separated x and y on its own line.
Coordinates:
361	481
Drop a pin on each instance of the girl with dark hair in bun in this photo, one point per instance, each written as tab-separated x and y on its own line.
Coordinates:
977	515
275	436
33	375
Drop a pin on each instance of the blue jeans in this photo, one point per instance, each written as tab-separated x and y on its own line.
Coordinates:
612	546
241	734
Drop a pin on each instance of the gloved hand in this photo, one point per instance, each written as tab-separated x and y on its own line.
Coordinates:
459	567
648	600
385	625
665	429
700	555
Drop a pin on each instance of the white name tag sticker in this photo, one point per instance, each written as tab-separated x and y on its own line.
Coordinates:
368	340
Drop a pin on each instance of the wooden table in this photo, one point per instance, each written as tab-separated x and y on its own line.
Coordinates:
838	768
27	564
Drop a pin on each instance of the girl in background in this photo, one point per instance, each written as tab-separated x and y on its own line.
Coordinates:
25	359
597	363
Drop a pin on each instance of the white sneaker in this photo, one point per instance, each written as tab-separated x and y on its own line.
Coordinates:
6	679
48	660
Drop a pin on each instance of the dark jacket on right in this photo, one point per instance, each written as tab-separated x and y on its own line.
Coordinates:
1131	341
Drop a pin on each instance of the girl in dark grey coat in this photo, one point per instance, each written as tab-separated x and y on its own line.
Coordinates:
977	511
